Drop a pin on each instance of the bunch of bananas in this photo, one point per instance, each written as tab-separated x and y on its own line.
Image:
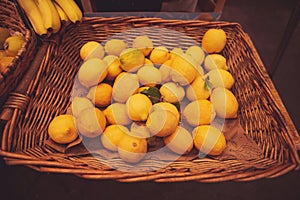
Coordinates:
47	16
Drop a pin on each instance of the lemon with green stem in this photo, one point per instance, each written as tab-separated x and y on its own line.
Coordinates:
220	78
197	90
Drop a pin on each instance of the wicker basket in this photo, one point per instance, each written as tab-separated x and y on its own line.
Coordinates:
261	112
10	18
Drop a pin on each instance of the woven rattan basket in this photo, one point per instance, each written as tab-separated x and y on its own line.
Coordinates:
261	111
10	18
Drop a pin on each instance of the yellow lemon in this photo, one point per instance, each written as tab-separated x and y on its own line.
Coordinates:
4	34
214	40
138	107
184	69
148	62
132	149
220	78
5	62
171	92
200	71
166	106
215	61
124	86
100	95
112	135
143	43
139	130
122	75
197	90
91	122
162	122
92	72
196	53
114	66
116	113
209	140
149	76
159	55
199	112
224	102
131	59
91	49
174	52
114	47
79	104
13	44
180	142
62	129
165	70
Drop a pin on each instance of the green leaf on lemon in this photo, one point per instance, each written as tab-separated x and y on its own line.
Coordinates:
153	94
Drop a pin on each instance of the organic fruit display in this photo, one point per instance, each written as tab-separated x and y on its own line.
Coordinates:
48	16
138	91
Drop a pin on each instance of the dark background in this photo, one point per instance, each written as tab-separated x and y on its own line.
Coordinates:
265	22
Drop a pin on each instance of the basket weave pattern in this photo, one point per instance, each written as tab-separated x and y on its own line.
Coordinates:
260	111
10	18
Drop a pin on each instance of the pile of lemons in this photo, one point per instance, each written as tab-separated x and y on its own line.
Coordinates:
10	45
141	91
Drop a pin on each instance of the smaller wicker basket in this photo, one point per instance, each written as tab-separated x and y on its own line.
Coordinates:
10	18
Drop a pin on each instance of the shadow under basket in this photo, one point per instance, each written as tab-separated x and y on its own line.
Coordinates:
261	112
10	19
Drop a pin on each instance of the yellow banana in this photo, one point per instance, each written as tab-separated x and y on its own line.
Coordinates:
32	12
76	8
46	13
56	24
63	17
68	8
